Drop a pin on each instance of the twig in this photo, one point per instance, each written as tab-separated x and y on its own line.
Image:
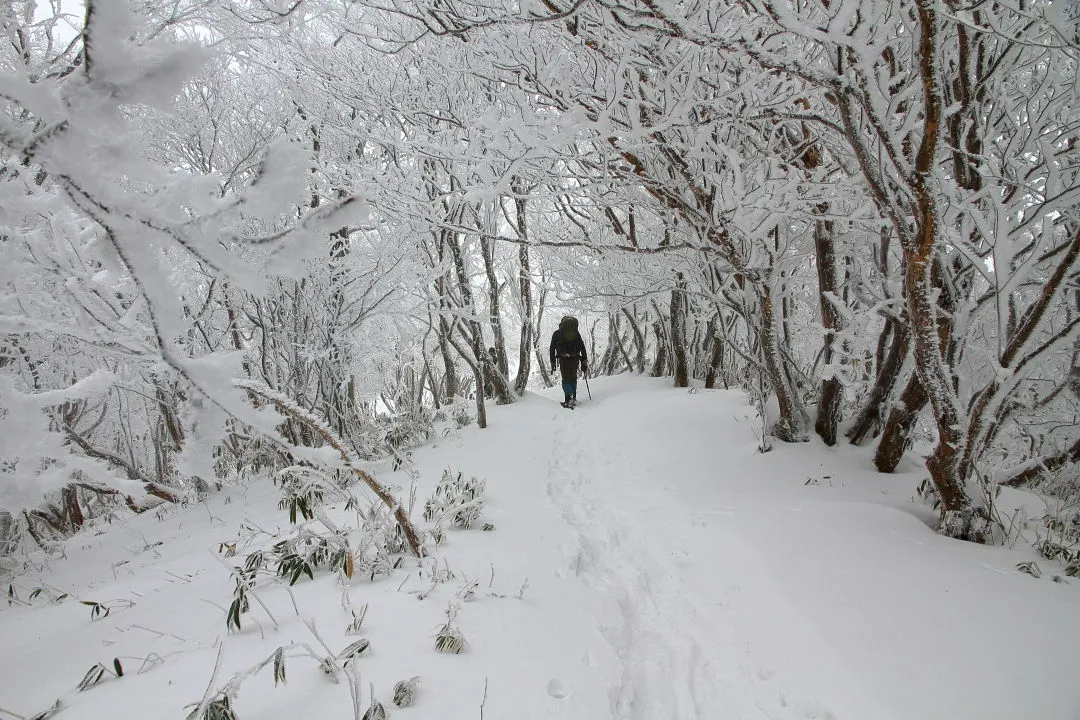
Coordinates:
159	633
331	658
12	713
291	596
205	702
178	577
354	682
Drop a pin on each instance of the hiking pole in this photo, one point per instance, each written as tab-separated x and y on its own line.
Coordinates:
587	389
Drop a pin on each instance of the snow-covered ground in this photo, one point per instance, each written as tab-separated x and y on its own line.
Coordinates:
646	562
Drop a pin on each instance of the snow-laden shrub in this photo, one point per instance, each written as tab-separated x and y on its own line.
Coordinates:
448	639
457	500
405	691
1058	537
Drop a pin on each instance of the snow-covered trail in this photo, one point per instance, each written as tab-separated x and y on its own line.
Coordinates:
793	584
679	589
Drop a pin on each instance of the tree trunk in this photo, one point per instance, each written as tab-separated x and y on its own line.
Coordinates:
832	390
789	427
932	336
659	366
73	513
487	250
678	332
869	418
716	356
539	348
898	425
451	384
639	341
481	362
525	290
944	462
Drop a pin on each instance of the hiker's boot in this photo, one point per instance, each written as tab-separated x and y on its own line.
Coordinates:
566	403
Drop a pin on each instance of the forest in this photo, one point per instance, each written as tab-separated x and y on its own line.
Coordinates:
248	237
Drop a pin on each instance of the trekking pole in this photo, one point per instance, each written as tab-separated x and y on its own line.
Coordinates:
587	389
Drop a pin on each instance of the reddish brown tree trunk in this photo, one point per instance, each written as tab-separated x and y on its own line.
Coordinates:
898	425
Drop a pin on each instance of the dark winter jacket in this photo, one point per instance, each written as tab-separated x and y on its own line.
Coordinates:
563	348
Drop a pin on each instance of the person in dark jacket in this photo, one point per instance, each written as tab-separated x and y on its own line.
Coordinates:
568	351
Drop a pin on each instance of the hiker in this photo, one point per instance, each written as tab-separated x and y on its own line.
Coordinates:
568	349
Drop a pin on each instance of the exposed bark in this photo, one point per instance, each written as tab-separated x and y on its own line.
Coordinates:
898	425
538	349
33	531
871	416
789	427
487	251
931	335
716	359
639	341
73	514
659	366
525	340
828	415
680	366
451	386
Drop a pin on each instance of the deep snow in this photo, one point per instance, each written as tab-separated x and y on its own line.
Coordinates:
646	562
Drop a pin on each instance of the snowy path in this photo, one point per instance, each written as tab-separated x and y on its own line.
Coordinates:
672	592
793	585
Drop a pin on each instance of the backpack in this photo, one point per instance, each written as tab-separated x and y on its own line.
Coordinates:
568	336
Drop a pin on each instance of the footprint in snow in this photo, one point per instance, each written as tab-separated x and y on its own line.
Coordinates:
557	689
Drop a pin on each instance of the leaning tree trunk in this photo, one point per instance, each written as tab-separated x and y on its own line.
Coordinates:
451	385
639	341
789	427
897	335
898	425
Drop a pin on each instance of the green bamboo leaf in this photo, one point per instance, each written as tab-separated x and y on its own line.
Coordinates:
92	677
279	666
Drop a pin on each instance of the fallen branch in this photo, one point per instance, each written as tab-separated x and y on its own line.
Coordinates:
328	436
